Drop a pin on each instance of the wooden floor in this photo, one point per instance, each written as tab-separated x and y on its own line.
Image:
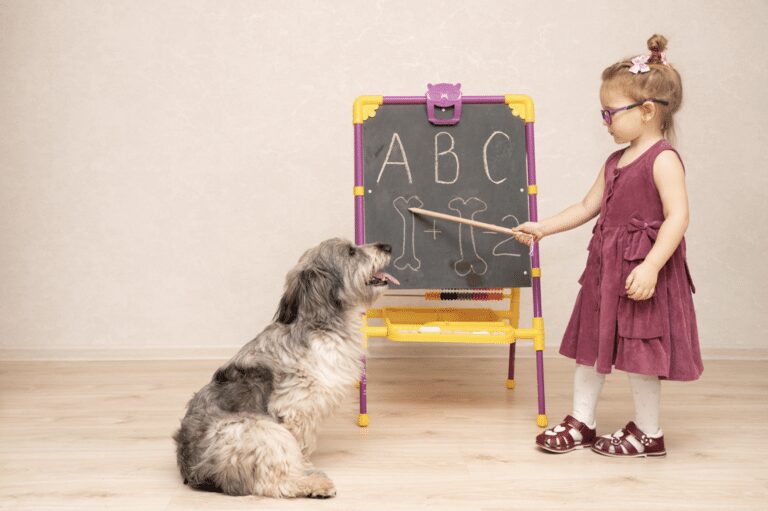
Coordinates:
444	434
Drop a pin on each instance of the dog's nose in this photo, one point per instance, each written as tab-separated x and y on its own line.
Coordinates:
384	248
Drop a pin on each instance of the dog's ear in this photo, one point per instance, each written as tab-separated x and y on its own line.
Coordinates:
222	375
312	292
288	309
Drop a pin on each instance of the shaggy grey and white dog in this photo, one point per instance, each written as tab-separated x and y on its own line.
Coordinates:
253	427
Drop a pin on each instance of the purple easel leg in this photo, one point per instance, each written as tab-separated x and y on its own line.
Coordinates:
542	417
540	381
363	390
362	419
511	371
541	420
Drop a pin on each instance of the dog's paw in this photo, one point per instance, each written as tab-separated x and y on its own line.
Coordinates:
320	487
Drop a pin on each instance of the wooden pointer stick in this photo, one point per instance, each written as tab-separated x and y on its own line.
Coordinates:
516	233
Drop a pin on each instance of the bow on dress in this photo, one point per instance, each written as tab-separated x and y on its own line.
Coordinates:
642	236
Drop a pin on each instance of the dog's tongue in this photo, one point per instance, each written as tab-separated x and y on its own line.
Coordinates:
386	277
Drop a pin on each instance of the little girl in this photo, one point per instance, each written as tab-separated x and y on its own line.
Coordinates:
634	311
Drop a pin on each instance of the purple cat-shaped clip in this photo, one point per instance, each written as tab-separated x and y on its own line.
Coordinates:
444	95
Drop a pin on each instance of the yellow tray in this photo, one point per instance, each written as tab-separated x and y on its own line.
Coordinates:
429	324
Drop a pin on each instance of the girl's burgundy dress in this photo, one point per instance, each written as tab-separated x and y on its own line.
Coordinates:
657	336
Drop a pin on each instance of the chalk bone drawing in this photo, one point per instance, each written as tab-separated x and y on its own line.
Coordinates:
470	260
408	258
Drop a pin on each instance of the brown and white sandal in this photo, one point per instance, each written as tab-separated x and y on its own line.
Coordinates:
562	441
619	446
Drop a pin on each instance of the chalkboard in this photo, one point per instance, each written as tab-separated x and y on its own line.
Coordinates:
475	169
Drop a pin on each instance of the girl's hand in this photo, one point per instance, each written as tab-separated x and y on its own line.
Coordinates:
533	229
641	283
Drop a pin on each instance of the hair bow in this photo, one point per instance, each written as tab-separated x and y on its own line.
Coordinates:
640	64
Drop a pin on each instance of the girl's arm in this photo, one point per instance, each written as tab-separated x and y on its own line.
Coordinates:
572	216
669	177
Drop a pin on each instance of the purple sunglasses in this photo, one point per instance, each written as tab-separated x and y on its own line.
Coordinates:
609	112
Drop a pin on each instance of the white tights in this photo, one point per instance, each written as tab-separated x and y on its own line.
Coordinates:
587	385
646	391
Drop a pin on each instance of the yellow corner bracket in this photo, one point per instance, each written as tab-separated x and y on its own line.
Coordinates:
521	106
365	107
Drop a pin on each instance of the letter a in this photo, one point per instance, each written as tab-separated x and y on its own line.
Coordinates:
396	138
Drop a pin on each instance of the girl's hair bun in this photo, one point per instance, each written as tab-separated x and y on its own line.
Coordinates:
658	45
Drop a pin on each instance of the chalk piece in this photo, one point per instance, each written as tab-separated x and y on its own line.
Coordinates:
429	329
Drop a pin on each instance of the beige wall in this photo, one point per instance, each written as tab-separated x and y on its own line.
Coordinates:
162	164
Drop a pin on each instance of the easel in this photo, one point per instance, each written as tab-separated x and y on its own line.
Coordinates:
457	325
